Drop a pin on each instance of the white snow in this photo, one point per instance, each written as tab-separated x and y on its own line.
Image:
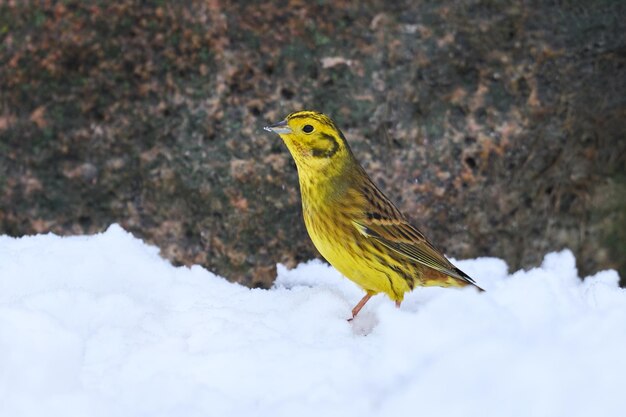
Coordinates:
102	326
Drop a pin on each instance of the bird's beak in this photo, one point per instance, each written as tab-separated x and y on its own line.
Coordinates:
280	128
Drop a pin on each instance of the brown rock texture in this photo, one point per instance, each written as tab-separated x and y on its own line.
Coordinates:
498	126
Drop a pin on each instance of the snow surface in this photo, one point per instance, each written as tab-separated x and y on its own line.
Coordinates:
102	326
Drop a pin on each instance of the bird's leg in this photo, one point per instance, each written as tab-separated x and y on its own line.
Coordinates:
360	305
398	304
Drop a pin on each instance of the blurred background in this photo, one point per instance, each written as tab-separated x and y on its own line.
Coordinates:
496	126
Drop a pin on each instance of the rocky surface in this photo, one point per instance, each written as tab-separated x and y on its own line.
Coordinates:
497	126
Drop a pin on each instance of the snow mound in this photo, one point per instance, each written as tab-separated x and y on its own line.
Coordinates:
102	326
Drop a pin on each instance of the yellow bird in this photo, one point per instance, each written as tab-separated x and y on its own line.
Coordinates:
352	223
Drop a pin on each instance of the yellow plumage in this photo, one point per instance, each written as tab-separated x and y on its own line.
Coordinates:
351	222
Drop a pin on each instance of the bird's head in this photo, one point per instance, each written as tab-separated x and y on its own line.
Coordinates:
315	142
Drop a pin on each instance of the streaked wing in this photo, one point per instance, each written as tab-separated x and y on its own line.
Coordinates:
383	222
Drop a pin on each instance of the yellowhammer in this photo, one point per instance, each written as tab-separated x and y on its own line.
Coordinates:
351	222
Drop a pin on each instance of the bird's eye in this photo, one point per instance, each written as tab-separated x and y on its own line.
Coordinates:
307	129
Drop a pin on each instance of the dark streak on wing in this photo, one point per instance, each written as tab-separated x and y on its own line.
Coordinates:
385	223
421	252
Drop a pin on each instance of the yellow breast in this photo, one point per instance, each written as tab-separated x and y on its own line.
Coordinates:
358	258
